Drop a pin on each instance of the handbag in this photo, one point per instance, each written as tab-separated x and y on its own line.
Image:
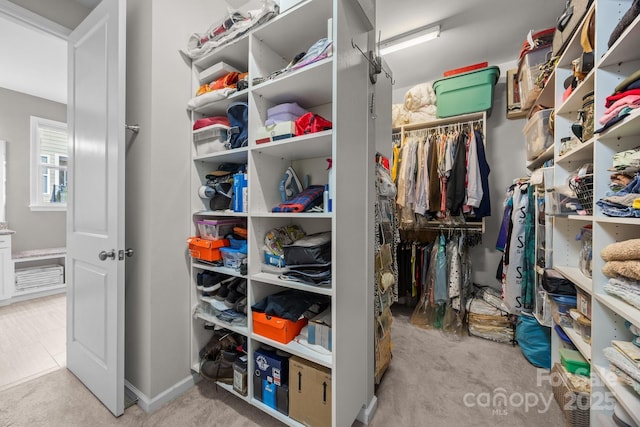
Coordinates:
310	123
568	22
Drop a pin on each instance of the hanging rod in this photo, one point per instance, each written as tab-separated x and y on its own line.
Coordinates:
473	227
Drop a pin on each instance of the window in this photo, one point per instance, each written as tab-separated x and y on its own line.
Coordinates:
49	164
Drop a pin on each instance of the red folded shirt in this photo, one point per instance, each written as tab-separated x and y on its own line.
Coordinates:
613	98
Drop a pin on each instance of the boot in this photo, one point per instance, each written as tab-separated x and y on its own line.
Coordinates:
220	369
218	342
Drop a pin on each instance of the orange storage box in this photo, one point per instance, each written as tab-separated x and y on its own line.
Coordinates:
206	250
277	328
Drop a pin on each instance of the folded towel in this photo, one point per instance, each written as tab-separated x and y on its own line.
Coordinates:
622	251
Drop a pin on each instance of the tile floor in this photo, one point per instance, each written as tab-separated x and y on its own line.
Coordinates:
32	339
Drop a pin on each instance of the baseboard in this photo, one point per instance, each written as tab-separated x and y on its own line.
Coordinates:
150	405
366	413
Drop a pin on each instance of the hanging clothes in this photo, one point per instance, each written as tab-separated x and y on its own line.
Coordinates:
443	172
484	209
514	268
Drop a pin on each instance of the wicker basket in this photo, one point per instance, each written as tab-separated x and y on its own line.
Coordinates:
574	404
582	185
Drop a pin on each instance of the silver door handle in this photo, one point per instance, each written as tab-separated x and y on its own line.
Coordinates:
121	253
104	255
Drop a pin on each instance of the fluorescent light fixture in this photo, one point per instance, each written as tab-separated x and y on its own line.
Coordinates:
410	38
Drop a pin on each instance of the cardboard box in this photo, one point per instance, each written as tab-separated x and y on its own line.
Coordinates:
309	392
263	390
276	132
282	399
269	394
206	250
276	328
319	329
271	366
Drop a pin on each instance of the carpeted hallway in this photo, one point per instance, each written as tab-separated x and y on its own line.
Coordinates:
434	380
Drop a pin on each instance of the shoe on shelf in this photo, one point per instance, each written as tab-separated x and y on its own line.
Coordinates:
222	293
241	305
220	369
220	340
242	287
233	296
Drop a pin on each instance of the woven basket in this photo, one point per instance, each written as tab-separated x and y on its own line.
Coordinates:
574	404
583	187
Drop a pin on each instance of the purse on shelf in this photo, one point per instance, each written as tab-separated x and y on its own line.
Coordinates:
568	22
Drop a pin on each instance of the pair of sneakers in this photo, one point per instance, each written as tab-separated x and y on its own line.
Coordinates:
234	294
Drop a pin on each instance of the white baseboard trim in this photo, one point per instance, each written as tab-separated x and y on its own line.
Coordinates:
366	413
150	405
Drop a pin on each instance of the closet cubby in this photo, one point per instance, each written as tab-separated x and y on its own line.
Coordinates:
338	89
609	313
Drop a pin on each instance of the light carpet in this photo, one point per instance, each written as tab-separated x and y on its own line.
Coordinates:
434	380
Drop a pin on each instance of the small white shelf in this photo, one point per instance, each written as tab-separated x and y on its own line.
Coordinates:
326	215
242	330
299	147
625	48
587	218
274	280
237	155
574	102
234	53
576	339
625	396
618	220
221	213
309	86
582	151
219	107
224	270
297	349
275	414
630	126
539	161
627	311
576	277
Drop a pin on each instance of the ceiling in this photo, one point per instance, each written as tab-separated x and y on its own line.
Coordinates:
472	31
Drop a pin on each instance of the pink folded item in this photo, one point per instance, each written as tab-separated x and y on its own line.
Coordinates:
632	101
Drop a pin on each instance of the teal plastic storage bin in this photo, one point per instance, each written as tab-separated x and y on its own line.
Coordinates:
466	93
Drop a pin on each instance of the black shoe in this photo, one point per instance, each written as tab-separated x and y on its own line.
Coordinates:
233	297
241	305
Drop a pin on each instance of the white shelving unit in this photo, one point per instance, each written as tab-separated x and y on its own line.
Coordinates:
338	89
609	313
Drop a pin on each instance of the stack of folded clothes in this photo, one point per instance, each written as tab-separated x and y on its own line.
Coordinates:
624	198
624	359
622	102
622	266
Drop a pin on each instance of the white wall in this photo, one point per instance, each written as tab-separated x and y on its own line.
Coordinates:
34	230
158	200
506	156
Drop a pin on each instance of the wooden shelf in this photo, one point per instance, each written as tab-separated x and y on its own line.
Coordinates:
620	307
630	126
274	280
618	220
587	218
299	147
275	414
297	349
625	48
625	396
576	339
576	277
582	151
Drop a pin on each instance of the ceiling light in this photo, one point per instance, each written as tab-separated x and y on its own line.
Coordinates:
410	38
